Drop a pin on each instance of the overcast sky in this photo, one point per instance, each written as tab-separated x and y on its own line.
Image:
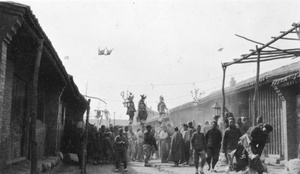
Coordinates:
162	47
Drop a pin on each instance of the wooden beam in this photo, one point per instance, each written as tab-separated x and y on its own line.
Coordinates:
257	43
34	102
264	46
255	99
84	156
286	38
272	56
264	60
223	94
285	32
279	51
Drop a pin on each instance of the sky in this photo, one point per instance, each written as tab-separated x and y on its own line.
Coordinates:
163	47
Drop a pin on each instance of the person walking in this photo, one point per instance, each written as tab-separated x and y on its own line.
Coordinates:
260	136
186	144
149	142
191	130
163	135
175	153
230	141
213	139
250	149
198	145
131	143
140	142
120	146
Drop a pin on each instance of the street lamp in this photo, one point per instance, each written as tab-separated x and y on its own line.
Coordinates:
217	111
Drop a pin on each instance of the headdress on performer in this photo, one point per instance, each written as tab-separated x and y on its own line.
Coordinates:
131	96
161	97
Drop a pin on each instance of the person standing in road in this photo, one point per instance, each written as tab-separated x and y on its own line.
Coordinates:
120	146
163	135
191	130
175	153
199	147
213	139
149	142
131	143
186	144
140	142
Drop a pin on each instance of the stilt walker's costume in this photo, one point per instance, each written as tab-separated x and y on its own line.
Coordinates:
142	111
161	107
130	108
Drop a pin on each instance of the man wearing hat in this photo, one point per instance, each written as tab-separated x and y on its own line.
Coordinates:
149	141
213	139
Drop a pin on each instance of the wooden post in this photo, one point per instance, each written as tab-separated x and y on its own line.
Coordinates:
223	93
255	99
34	96
83	165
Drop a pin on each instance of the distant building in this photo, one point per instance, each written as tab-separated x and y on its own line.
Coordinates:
279	105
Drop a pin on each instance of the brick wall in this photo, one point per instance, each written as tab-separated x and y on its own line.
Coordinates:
3	55
5	131
40	138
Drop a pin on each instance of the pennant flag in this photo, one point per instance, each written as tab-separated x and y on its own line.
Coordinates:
220	49
100	52
104	52
108	52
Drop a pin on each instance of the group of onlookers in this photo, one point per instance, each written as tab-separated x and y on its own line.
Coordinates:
241	145
185	145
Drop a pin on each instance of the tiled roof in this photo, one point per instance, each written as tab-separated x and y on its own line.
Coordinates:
290	72
287	80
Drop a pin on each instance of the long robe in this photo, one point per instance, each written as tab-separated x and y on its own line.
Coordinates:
175	153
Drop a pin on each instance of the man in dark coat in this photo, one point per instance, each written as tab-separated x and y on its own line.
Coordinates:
186	144
120	145
198	145
230	140
259	136
149	142
175	153
191	130
251	146
213	139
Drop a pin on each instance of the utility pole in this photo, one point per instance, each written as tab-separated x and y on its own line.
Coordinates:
84	156
114	118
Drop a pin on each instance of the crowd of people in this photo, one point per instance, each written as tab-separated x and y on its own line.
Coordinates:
186	144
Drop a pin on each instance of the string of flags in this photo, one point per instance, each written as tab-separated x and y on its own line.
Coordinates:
104	52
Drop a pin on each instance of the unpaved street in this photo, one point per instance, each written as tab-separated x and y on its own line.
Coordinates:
157	167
